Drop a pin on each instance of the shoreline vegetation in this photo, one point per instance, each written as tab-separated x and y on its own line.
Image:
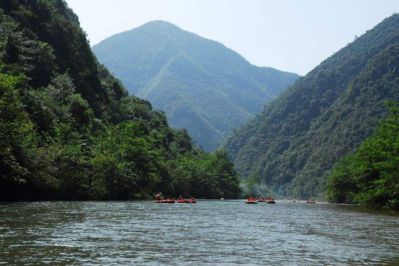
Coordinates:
369	176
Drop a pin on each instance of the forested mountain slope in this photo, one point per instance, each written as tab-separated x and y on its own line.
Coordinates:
293	144
200	84
370	175
68	130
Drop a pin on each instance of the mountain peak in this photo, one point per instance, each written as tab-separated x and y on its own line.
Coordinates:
158	23
200	84
157	26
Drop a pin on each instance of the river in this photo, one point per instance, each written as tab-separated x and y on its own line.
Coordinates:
209	232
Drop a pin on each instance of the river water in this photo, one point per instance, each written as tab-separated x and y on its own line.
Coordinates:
209	232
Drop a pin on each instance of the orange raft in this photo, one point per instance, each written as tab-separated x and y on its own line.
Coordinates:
267	200
192	200
251	201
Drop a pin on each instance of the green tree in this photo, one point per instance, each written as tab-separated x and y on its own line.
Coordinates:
16	136
370	175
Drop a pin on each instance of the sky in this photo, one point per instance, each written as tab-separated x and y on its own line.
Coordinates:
290	35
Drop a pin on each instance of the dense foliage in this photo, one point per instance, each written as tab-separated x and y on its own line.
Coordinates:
68	130
293	144
371	175
200	84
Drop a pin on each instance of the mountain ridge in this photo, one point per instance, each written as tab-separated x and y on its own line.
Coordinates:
163	63
292	145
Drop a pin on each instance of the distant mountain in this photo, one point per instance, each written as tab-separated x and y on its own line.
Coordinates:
200	84
293	144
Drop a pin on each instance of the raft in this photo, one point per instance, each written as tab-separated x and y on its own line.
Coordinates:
187	201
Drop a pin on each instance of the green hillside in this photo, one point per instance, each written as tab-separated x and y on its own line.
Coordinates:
370	175
293	144
200	84
68	130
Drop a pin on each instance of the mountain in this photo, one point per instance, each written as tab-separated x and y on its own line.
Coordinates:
294	142
69	130
200	84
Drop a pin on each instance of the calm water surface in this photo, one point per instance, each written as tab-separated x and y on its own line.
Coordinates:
210	232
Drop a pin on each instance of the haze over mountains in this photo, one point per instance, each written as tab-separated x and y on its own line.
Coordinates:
200	84
293	144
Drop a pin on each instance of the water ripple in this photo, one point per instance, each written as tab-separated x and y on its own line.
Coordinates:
210	232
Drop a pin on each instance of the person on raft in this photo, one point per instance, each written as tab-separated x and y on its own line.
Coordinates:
159	196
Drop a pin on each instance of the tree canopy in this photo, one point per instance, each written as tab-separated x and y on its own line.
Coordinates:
370	176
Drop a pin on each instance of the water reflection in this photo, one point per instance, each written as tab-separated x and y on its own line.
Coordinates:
224	232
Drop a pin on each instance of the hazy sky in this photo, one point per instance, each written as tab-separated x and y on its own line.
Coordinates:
292	35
